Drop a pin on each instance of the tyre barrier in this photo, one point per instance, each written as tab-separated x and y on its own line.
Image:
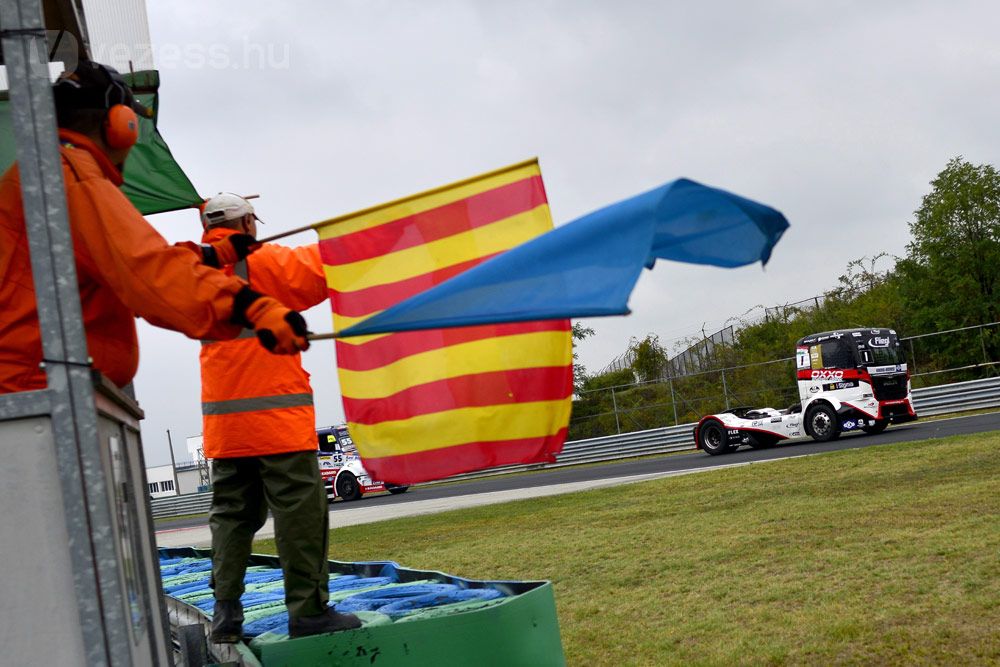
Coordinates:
382	595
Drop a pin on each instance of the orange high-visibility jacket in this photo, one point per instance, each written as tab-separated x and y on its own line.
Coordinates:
255	403
124	268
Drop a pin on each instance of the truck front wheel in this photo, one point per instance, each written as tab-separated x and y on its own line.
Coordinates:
348	487
713	440
821	420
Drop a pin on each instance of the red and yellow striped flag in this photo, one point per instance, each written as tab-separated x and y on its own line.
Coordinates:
424	405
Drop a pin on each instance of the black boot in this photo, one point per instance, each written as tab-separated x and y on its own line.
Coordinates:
328	621
227	622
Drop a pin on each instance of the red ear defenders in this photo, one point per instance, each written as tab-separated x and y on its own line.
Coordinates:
121	127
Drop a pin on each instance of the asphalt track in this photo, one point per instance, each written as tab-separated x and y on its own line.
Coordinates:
503	488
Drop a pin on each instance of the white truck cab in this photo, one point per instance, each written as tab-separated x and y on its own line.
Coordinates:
859	373
849	380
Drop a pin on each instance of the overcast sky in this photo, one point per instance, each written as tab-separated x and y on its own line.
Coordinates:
836	113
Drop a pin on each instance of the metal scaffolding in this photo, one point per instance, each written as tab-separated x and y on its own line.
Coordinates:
69	480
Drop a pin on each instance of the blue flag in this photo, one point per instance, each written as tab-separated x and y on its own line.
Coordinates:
588	267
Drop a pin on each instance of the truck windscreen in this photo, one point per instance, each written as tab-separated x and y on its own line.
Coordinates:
886	356
882	351
346	442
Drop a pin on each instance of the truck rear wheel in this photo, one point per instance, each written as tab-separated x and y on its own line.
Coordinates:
821	421
712	438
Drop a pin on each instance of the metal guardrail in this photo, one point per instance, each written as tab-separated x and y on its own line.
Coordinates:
190	503
957	397
928	401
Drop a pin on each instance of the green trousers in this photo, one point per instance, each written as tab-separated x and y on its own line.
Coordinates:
290	485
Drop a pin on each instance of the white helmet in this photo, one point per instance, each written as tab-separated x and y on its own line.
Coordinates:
224	207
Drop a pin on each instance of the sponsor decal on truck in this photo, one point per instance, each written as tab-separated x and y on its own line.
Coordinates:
846	384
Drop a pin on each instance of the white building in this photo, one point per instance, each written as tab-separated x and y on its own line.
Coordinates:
194	446
190	476
160	480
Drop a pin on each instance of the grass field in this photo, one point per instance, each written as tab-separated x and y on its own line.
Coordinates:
885	555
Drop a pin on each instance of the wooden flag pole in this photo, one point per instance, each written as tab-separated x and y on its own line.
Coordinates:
282	235
333	335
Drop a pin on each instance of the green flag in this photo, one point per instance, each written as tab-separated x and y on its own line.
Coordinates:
154	182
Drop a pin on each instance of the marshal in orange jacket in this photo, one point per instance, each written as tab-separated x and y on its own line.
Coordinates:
255	403
124	268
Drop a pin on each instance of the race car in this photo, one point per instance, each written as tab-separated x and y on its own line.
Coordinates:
849	380
340	466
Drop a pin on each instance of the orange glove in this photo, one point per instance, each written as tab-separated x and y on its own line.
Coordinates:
225	252
232	249
281	330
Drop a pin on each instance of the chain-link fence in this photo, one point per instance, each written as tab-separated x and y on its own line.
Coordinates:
701	354
937	358
968	353
697	357
782	312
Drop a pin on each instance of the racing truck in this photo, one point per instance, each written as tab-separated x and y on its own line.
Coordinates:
850	380
340	466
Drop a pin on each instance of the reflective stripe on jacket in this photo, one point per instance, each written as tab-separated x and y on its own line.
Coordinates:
124	268
255	403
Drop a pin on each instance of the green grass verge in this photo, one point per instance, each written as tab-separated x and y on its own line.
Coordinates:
885	555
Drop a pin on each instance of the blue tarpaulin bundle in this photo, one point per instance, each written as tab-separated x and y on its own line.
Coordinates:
383	598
